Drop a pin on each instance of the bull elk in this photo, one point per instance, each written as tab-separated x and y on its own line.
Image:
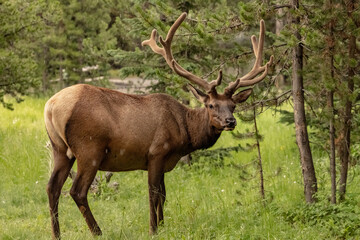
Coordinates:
111	131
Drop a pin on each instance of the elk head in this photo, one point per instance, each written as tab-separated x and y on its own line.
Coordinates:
220	107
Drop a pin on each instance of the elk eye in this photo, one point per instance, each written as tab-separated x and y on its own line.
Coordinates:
211	106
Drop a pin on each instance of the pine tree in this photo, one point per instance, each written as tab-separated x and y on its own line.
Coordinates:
79	42
21	27
327	28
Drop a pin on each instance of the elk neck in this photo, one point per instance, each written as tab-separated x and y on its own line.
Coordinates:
201	134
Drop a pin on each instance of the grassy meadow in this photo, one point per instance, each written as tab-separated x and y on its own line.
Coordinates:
204	201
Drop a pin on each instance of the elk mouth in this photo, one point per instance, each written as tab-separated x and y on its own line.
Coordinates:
229	128
226	128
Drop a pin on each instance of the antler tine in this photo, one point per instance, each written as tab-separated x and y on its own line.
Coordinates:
254	44
230	90
219	78
258	47
248	79
152	44
213	84
169	37
246	83
167	55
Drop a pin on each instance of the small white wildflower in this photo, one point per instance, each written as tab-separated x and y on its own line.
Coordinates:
222	190
284	176
36	182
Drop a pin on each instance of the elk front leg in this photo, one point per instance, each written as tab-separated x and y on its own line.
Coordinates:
160	206
155	176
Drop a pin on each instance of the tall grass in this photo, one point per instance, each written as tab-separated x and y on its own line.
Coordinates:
202	202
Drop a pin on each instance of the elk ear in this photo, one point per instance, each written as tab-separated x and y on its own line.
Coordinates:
202	97
242	96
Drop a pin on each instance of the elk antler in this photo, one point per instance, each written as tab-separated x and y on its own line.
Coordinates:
250	78
165	51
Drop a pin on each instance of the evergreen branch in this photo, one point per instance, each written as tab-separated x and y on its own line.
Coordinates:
225	61
321	145
281	6
195	20
20	29
305	99
6	84
237	57
244	165
263	102
212	31
239	135
274	78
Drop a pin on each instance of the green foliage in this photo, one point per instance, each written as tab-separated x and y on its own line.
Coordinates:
320	46
21	25
340	221
286	117
43	42
85	26
208	159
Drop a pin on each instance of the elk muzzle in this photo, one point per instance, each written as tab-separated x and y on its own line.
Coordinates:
230	124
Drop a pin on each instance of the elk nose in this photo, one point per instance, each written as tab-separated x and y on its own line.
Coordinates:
230	122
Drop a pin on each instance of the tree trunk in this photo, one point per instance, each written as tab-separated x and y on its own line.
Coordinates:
262	189
279	24
302	138
347	118
330	105
81	61
61	76
45	75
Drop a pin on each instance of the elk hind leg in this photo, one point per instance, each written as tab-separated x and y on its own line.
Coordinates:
84	177
62	167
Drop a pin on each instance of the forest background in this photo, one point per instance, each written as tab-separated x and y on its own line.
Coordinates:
312	93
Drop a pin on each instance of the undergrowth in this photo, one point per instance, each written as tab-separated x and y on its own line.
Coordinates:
335	220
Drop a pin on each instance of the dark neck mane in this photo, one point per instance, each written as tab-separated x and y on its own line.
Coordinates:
201	134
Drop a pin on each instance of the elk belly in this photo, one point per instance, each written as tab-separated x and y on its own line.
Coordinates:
122	159
171	162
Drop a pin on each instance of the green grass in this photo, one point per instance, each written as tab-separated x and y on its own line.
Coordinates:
202	203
